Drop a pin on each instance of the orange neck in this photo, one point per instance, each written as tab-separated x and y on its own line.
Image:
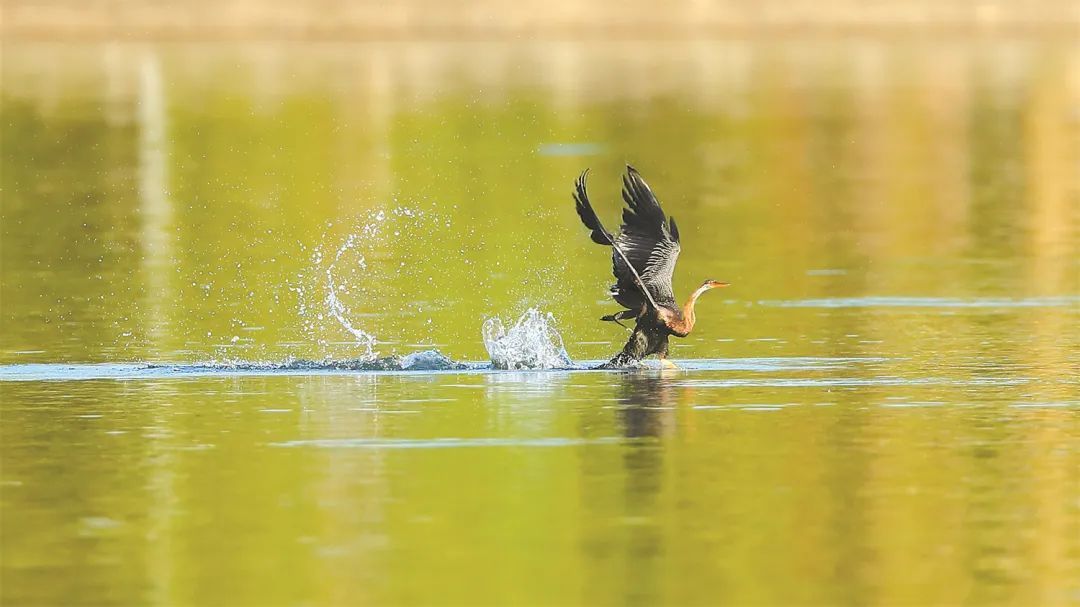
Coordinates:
686	323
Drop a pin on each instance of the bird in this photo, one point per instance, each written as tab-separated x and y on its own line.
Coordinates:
643	260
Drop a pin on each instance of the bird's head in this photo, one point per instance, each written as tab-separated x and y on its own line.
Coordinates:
681	322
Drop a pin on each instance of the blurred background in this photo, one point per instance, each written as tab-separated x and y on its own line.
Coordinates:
330	19
173	171
891	187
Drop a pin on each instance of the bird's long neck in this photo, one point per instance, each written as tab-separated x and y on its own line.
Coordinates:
688	308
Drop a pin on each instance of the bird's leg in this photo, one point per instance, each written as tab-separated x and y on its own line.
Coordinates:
636	348
666	363
615	318
662	354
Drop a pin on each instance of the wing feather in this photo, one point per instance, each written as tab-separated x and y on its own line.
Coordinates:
648	239
597	232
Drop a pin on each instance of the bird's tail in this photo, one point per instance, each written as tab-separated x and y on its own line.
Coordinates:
588	216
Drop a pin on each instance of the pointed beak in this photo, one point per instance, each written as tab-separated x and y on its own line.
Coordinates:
716	284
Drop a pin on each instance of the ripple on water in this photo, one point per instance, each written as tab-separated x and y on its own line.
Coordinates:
447	443
848	382
1047	405
422	362
925	302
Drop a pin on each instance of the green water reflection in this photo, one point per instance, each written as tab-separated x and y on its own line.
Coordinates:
909	203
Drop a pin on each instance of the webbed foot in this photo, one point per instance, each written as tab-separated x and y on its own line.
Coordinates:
615	319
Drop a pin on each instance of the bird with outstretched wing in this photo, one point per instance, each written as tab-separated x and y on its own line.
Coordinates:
643	261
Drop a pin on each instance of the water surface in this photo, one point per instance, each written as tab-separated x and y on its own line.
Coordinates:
883	408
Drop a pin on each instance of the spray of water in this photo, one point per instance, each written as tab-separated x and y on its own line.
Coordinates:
532	343
341	280
341	276
339	311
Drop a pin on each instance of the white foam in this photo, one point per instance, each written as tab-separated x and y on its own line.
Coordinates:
532	343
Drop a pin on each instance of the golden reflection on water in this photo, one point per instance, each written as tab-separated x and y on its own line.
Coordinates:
213	173
909	203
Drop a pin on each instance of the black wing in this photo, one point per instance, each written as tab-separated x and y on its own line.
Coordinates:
648	240
588	216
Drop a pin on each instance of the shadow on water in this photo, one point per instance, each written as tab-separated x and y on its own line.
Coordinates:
629	544
647	404
646	409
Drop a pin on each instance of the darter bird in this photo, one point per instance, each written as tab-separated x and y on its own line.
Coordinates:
643	258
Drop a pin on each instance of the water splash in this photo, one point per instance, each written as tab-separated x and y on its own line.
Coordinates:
339	311
532	343
426	360
339	279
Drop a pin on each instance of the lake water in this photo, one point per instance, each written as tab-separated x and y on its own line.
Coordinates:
883	408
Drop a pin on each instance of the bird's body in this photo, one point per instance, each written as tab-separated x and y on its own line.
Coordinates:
643	261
